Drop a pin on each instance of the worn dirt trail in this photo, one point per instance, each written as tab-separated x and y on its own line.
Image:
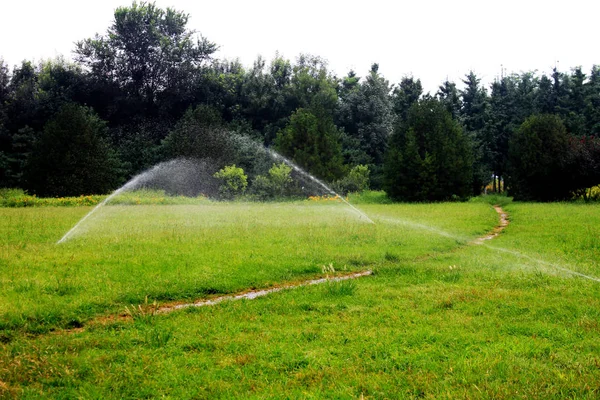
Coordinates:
499	228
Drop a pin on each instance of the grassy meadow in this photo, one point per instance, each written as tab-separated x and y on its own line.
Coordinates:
439	318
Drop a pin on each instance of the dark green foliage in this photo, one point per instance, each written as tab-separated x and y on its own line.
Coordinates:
138	144
538	160
313	142
72	156
5	140
148	54
148	71
502	122
199	134
449	96
583	170
366	115
405	95
592	103
474	115
431	159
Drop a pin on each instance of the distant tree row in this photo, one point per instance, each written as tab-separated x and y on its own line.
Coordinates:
149	89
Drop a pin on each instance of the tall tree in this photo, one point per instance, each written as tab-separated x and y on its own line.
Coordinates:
592	102
5	140
538	159
312	140
473	115
450	97
432	159
23	121
546	101
266	100
501	123
405	95
366	115
147	52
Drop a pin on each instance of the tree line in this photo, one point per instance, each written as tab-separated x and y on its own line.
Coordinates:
150	89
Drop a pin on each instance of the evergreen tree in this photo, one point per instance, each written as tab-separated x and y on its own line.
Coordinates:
592	103
367	117
405	95
503	112
5	139
546	101
575	104
313	142
527	86
432	159
449	96
473	115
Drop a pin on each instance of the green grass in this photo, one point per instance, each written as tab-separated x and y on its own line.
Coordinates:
438	319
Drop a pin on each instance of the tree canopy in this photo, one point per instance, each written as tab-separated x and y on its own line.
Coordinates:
149	89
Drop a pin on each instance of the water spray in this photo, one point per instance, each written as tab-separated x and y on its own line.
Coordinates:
174	168
305	174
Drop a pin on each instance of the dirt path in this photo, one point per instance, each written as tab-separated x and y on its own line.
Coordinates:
499	228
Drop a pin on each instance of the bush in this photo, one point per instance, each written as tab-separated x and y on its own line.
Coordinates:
357	180
234	181
262	187
277	183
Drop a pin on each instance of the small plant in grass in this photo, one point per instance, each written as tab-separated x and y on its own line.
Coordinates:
142	312
328	269
158	337
453	275
392	257
340	288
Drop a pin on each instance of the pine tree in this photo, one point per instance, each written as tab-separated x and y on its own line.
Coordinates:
432	159
473	115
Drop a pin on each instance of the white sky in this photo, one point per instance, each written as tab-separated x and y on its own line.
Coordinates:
429	39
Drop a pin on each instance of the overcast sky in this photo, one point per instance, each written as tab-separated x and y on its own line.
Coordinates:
431	40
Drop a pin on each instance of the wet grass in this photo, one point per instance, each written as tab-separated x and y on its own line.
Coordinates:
438	319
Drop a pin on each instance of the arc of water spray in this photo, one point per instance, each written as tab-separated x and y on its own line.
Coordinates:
147	175
132	183
305	174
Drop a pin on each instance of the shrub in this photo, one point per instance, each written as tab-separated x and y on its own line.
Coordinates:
277	183
357	180
234	181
